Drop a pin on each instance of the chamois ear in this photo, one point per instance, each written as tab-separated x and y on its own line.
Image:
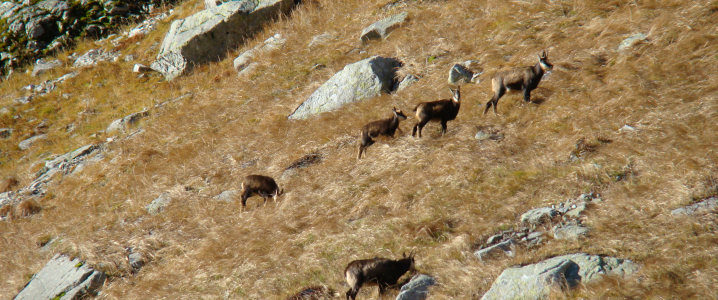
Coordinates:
543	54
404	254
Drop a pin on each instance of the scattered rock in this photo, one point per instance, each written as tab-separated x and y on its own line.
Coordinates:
24	100
42	66
576	210
417	288
487	134
538	215
122	124
627	128
140	68
136	261
227	196
462	73
632	41
705	206
5	133
305	161
569	231
322	39
273	43
63	279
94	56
536	281
209	34
26	144
382	28
159	204
406	82
504	248
357	81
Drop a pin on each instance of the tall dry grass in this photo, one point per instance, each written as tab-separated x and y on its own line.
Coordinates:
439	195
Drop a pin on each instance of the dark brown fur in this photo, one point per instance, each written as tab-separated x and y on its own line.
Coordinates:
376	271
263	186
441	110
386	127
525	79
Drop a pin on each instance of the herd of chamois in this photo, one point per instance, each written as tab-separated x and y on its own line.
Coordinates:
381	271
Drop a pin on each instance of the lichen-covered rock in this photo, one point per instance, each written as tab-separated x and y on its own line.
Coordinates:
63	279
383	27
361	80
417	288
208	35
535	281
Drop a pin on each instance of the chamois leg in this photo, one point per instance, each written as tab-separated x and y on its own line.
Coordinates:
354	288
245	195
527	95
420	126
495	100
443	127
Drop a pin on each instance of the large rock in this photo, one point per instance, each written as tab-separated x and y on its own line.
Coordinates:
417	288
535	281
63	279
383	27
364	79
704	206
208	35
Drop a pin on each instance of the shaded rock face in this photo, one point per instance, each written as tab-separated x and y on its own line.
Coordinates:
63	279
382	28
361	80
39	28
535	281
207	35
417	288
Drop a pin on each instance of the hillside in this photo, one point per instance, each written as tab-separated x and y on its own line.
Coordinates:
636	127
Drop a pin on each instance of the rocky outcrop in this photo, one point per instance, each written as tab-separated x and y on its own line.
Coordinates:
34	29
417	288
383	27
63	279
361	80
705	206
208	35
535	281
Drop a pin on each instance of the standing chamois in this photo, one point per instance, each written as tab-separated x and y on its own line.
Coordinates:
385	127
376	271
263	186
441	110
525	79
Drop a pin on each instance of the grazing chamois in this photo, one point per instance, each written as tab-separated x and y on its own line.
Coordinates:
385	127
441	110
263	186
525	79
376	271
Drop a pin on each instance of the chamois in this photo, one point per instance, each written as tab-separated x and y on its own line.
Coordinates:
263	186
525	79
385	127
441	110
376	271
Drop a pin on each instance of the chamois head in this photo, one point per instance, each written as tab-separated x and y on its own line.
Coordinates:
456	94
400	115
543	60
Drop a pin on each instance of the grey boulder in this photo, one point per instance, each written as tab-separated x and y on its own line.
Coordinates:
383	27
539	215
417	288
465	72
208	35
63	279
364	79
535	281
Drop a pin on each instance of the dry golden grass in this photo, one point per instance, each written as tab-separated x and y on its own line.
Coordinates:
439	195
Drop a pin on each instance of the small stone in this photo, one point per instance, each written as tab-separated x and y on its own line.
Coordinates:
407	81
382	28
577	210
506	248
569	232
140	68
481	135
159	204
539	215
136	260
632	41
322	39
26	144
5	133
495	239
464	73
627	128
